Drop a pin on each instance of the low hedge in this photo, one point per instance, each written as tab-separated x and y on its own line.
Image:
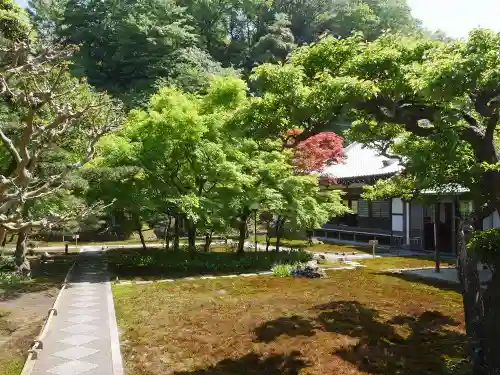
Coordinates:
159	262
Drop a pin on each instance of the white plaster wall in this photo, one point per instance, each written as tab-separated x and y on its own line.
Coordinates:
397	206
492	221
397	223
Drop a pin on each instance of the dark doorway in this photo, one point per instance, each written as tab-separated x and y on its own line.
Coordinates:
429	233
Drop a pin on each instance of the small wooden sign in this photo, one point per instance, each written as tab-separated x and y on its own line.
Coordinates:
76	236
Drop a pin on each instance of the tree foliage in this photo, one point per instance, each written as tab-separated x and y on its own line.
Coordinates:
316	152
54	112
435	104
125	46
14	24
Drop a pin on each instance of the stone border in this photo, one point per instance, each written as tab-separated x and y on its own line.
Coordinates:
116	356
401	270
211	277
29	364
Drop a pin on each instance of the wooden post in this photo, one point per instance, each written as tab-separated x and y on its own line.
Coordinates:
66	249
407	212
374	244
436	247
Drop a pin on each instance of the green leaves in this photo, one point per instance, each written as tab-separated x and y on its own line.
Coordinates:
14	23
486	245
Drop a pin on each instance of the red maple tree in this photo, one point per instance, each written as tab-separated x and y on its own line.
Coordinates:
317	151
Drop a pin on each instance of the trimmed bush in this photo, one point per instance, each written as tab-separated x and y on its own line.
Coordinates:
158	262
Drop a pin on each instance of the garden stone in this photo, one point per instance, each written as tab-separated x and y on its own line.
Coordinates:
25	269
308	272
315	241
312	264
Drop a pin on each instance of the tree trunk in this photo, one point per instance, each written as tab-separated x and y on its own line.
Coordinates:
309	234
191	235
472	299
20	253
208	241
177	229
437	255
242	235
490	340
166	233
3	236
141	235
279	225
268	236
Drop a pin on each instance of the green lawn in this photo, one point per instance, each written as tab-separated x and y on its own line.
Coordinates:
353	322
11	366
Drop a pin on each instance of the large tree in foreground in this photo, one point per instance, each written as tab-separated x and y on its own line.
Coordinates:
52	116
436	104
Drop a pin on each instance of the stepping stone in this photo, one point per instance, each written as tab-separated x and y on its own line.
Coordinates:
76	352
86	298
84	292
73	368
84	304
78	339
81	319
83	311
80	328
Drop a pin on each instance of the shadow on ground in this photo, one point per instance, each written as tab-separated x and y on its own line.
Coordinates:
161	263
401	345
254	363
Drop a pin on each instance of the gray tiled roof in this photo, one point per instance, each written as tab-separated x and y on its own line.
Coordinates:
363	161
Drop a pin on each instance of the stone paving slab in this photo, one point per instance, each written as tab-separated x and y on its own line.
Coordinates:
447	274
82	338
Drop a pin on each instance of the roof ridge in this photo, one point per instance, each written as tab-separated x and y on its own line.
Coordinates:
352	145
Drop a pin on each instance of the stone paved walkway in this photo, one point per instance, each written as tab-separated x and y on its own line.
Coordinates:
83	337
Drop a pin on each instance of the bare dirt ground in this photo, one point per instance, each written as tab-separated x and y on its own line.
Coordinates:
23	309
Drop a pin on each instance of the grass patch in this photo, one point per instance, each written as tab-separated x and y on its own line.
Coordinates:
157	263
353	322
11	366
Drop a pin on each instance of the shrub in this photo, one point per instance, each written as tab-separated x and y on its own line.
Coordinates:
486	244
460	366
282	270
7	263
156	262
11	278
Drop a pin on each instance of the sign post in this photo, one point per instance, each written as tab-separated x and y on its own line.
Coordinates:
374	244
76	237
